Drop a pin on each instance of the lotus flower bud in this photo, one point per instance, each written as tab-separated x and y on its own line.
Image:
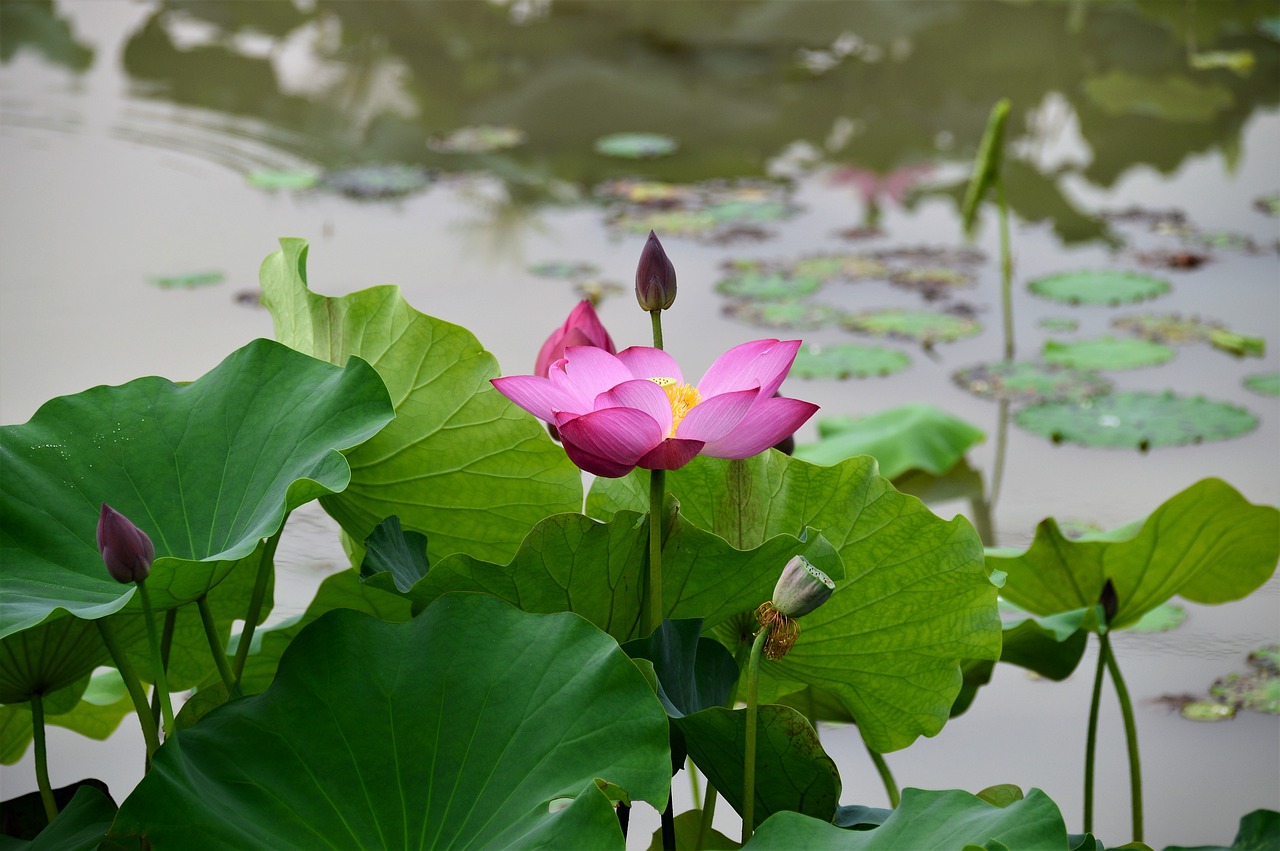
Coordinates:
126	549
582	328
1109	601
801	588
655	277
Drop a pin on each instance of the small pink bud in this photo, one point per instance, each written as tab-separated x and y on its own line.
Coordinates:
655	277
582	328
126	549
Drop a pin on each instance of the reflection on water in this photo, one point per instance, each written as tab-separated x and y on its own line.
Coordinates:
128	132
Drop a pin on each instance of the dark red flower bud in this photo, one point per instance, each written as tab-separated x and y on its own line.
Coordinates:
655	277
126	549
1109	601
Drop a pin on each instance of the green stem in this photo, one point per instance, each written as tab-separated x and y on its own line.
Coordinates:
655	319
157	660
694	785
1091	742
42	757
708	815
133	685
1130	737
166	645
886	776
265	566
749	758
215	644
1001	450
1006	269
652	597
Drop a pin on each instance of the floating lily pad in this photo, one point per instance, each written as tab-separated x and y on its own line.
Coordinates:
1172	258
920	325
566	269
933	282
1257	691
933	255
789	315
1206	710
1237	344
1169	328
636	146
852	267
1030	381
713	210
1106	353
767	286
596	290
480	139
270	178
847	360
188	281
1137	420
1162	618
377	181
1225	239
1265	383
647	192
1102	286
1269	204
1058	323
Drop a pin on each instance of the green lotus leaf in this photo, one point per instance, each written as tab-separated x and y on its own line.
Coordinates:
688	829
793	772
1106	353
923	326
483	138
1058	323
694	672
93	707
1137	420
1169	328
188	280
986	166
1100	286
1030	381
931	279
845	360
207	469
474	722
849	267
460	463
84	815
767	286
573	563
1207	544
788	315
909	437
1256	691
376	181
282	179
636	146
1258	830
1265	383
1162	618
914	603
564	269
949	818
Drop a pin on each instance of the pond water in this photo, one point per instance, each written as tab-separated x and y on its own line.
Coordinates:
146	151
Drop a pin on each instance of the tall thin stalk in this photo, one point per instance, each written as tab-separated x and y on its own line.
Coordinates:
1091	741
157	661
652	598
42	757
133	685
215	644
265	567
749	758
1130	737
886	776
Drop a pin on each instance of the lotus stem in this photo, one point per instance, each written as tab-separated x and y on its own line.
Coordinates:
134	686
668	827
42	757
1091	742
694	785
886	776
157	660
1130	736
166	646
655	319
997	466
749	758
1006	269
215	644
708	815
266	565
652	597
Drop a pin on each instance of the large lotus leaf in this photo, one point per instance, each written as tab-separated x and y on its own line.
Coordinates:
949	818
909	437
1106	353
915	600
460	463
793	772
1137	420
81	823
344	590
1258	832
460	727
1207	544
573	563
207	469
694	673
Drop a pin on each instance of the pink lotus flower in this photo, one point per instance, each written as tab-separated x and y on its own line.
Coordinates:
634	409
582	328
